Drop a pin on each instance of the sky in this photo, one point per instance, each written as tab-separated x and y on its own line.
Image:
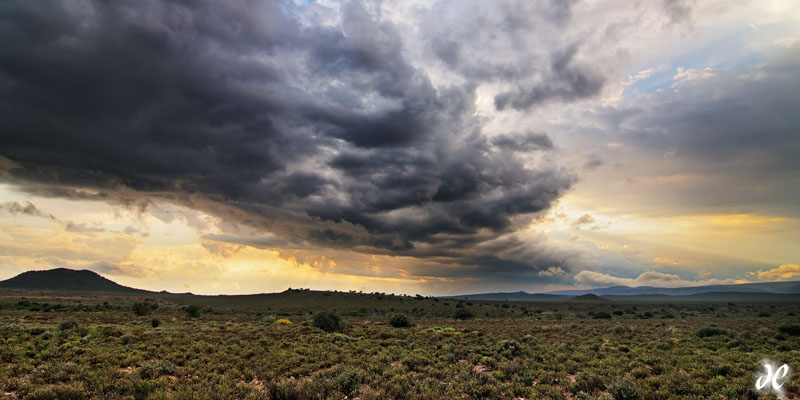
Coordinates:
433	147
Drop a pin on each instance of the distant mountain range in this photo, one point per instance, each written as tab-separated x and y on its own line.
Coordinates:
767	291
766	287
512	296
62	279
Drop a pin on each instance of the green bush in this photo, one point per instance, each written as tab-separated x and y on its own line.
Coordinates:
790	329
528	338
349	382
624	389
36	331
710	331
588	382
509	348
400	321
463	313
127	339
67	325
269	319
141	309
61	392
619	329
193	311
155	322
110	331
328	322
155	369
601	315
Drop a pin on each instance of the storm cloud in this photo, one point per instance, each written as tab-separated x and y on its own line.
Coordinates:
308	123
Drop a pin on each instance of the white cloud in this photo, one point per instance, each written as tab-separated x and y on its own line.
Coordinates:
688	74
552	271
649	278
785	271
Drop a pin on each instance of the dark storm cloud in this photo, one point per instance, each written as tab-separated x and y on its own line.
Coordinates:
314	133
502	42
499	41
526	142
565	80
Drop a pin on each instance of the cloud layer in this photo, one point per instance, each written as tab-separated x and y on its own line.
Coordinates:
306	122
649	278
438	133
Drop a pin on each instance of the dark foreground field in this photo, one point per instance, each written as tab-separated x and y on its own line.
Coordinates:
70	346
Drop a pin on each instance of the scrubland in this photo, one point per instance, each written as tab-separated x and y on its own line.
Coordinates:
322	345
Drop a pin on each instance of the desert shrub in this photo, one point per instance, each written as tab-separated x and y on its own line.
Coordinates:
349	381
110	331
588	382
722	370
528	338
400	321
624	389
283	321
141	309
763	314
141	389
155	369
463	313
269	319
618	312
509	348
67	325
127	339
155	322
36	331
296	389
790	329
620	329
193	311
342	338
710	331
601	315
327	321
60	392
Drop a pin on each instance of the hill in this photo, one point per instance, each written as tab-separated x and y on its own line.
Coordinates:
588	298
764	287
514	296
63	279
709	297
